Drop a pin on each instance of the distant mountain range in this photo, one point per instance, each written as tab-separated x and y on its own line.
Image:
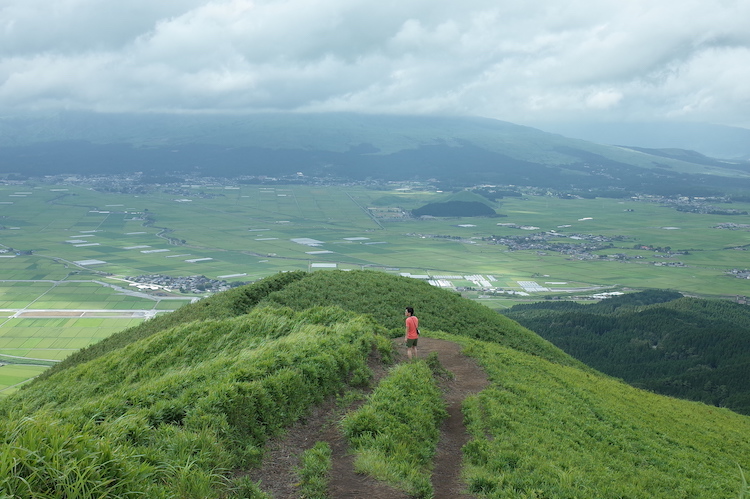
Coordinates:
454	150
717	141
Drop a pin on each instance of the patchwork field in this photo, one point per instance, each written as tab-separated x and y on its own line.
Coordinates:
251	231
42	322
71	248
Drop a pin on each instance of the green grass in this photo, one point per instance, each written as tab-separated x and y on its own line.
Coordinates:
175	406
546	430
396	431
176	421
313	471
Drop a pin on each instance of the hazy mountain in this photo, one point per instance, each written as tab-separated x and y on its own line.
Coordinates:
458	150
718	141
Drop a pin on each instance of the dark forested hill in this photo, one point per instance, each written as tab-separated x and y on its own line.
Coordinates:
684	347
455	209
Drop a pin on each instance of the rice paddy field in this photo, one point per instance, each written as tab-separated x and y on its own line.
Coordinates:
71	248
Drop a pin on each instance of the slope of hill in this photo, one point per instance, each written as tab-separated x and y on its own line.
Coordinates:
684	347
180	406
718	141
460	150
458	204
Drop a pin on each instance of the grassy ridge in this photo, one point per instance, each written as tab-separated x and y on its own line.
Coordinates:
380	295
170	410
231	303
178	409
384	297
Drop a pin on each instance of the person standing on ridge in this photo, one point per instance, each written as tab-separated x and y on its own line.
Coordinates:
412	333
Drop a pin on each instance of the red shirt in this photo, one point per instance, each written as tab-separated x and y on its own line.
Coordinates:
411	327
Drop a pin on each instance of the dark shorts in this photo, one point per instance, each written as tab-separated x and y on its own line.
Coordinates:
411	342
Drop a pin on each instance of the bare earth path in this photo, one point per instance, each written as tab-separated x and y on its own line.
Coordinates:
277	473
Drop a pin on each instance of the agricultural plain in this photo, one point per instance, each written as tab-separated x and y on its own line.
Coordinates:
69	249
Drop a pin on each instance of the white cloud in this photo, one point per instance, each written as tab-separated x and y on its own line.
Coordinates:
584	59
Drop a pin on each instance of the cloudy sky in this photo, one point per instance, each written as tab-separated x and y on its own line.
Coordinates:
608	60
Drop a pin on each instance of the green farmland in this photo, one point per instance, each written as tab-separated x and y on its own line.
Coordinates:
244	233
42	322
70	248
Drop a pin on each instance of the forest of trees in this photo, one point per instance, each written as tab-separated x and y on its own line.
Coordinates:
455	209
658	340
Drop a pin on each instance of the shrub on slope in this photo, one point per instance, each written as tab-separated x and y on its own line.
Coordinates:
385	296
183	405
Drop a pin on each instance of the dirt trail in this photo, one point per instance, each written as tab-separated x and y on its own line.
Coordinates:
277	473
469	379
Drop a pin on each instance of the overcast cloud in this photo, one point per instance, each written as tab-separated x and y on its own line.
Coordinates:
634	60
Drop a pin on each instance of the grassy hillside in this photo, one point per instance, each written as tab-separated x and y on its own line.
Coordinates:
178	406
684	347
384	297
546	430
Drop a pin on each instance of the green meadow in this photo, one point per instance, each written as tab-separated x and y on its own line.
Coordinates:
55	339
13	376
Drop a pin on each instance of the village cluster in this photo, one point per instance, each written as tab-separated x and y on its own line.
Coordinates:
197	284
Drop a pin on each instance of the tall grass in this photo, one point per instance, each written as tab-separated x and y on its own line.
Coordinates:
315	466
177	410
231	303
42	457
396	431
546	430
744	489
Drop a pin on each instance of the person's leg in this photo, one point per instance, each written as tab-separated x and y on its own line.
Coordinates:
410	344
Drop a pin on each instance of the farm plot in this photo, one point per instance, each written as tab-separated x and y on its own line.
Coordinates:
12	376
55	339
